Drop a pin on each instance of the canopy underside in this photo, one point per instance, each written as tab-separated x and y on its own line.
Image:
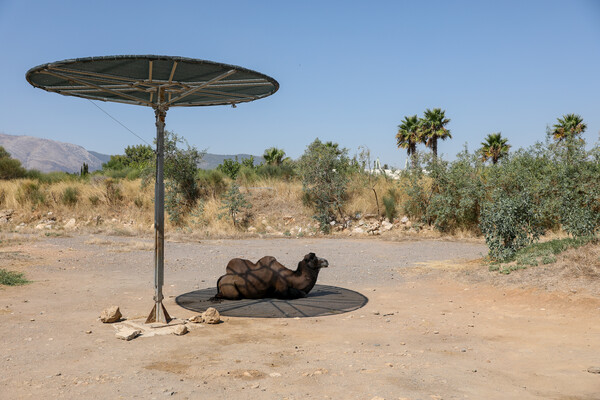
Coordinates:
153	81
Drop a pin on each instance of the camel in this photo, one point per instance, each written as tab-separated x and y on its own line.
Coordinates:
268	278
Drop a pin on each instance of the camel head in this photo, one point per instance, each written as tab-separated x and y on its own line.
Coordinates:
314	262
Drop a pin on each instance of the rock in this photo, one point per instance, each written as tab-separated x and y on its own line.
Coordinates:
211	316
332	223
112	314
269	229
386	226
274	374
180	330
377	398
70	224
127	333
251	229
594	370
5	216
404	220
197	319
358	230
40	226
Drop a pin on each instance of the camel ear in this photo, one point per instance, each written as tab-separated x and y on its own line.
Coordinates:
309	256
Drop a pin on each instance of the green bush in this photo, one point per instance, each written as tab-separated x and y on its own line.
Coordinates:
509	222
230	167
30	192
11	168
283	171
180	171
389	203
324	169
211	182
11	278
247	175
456	193
416	201
70	196
233	204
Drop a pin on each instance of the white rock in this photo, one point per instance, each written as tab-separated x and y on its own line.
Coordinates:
358	230
404	220
386	226
251	229
70	224
111	314
180	330
197	319
40	226
127	333
211	316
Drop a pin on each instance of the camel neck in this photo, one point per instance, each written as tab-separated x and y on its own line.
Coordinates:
308	277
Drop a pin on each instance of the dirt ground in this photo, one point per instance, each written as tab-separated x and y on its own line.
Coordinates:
429	330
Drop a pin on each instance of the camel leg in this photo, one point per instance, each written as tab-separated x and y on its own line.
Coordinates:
227	289
290	293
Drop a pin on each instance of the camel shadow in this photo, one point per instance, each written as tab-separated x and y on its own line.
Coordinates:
321	301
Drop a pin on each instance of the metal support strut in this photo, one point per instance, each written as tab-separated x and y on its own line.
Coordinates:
159	313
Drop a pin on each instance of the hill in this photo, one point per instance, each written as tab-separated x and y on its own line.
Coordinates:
48	155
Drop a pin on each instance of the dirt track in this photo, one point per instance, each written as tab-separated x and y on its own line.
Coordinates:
420	336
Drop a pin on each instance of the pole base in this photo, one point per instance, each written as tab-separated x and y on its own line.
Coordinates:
158	314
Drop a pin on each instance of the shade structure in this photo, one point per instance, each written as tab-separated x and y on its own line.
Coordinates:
160	82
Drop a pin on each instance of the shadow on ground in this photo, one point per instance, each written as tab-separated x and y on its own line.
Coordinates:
322	300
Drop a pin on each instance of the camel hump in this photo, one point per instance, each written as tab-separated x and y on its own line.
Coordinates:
267	260
239	266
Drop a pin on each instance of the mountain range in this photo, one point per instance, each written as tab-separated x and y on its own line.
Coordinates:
50	155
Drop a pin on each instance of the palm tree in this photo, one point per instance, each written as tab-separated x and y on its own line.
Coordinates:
494	147
433	127
274	156
568	127
408	136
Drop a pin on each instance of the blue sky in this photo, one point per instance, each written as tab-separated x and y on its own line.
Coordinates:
348	71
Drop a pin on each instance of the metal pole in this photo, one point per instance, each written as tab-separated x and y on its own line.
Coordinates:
159	313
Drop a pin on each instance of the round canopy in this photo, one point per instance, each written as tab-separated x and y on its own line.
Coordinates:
153	81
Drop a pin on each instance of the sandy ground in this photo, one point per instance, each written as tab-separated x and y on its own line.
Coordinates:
424	333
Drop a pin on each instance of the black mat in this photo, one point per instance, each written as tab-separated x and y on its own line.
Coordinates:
322	300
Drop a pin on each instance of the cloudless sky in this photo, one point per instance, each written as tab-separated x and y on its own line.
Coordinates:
349	71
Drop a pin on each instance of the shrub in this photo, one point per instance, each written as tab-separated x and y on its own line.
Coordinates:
30	192
180	170
94	200
509	222
283	171
417	200
11	168
211	182
389	203
113	191
139	202
11	278
247	175
70	196
456	193
230	167
324	169
234	203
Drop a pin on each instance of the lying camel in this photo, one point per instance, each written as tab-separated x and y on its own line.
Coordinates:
268	278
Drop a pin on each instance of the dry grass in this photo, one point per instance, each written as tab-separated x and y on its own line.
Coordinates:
575	271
